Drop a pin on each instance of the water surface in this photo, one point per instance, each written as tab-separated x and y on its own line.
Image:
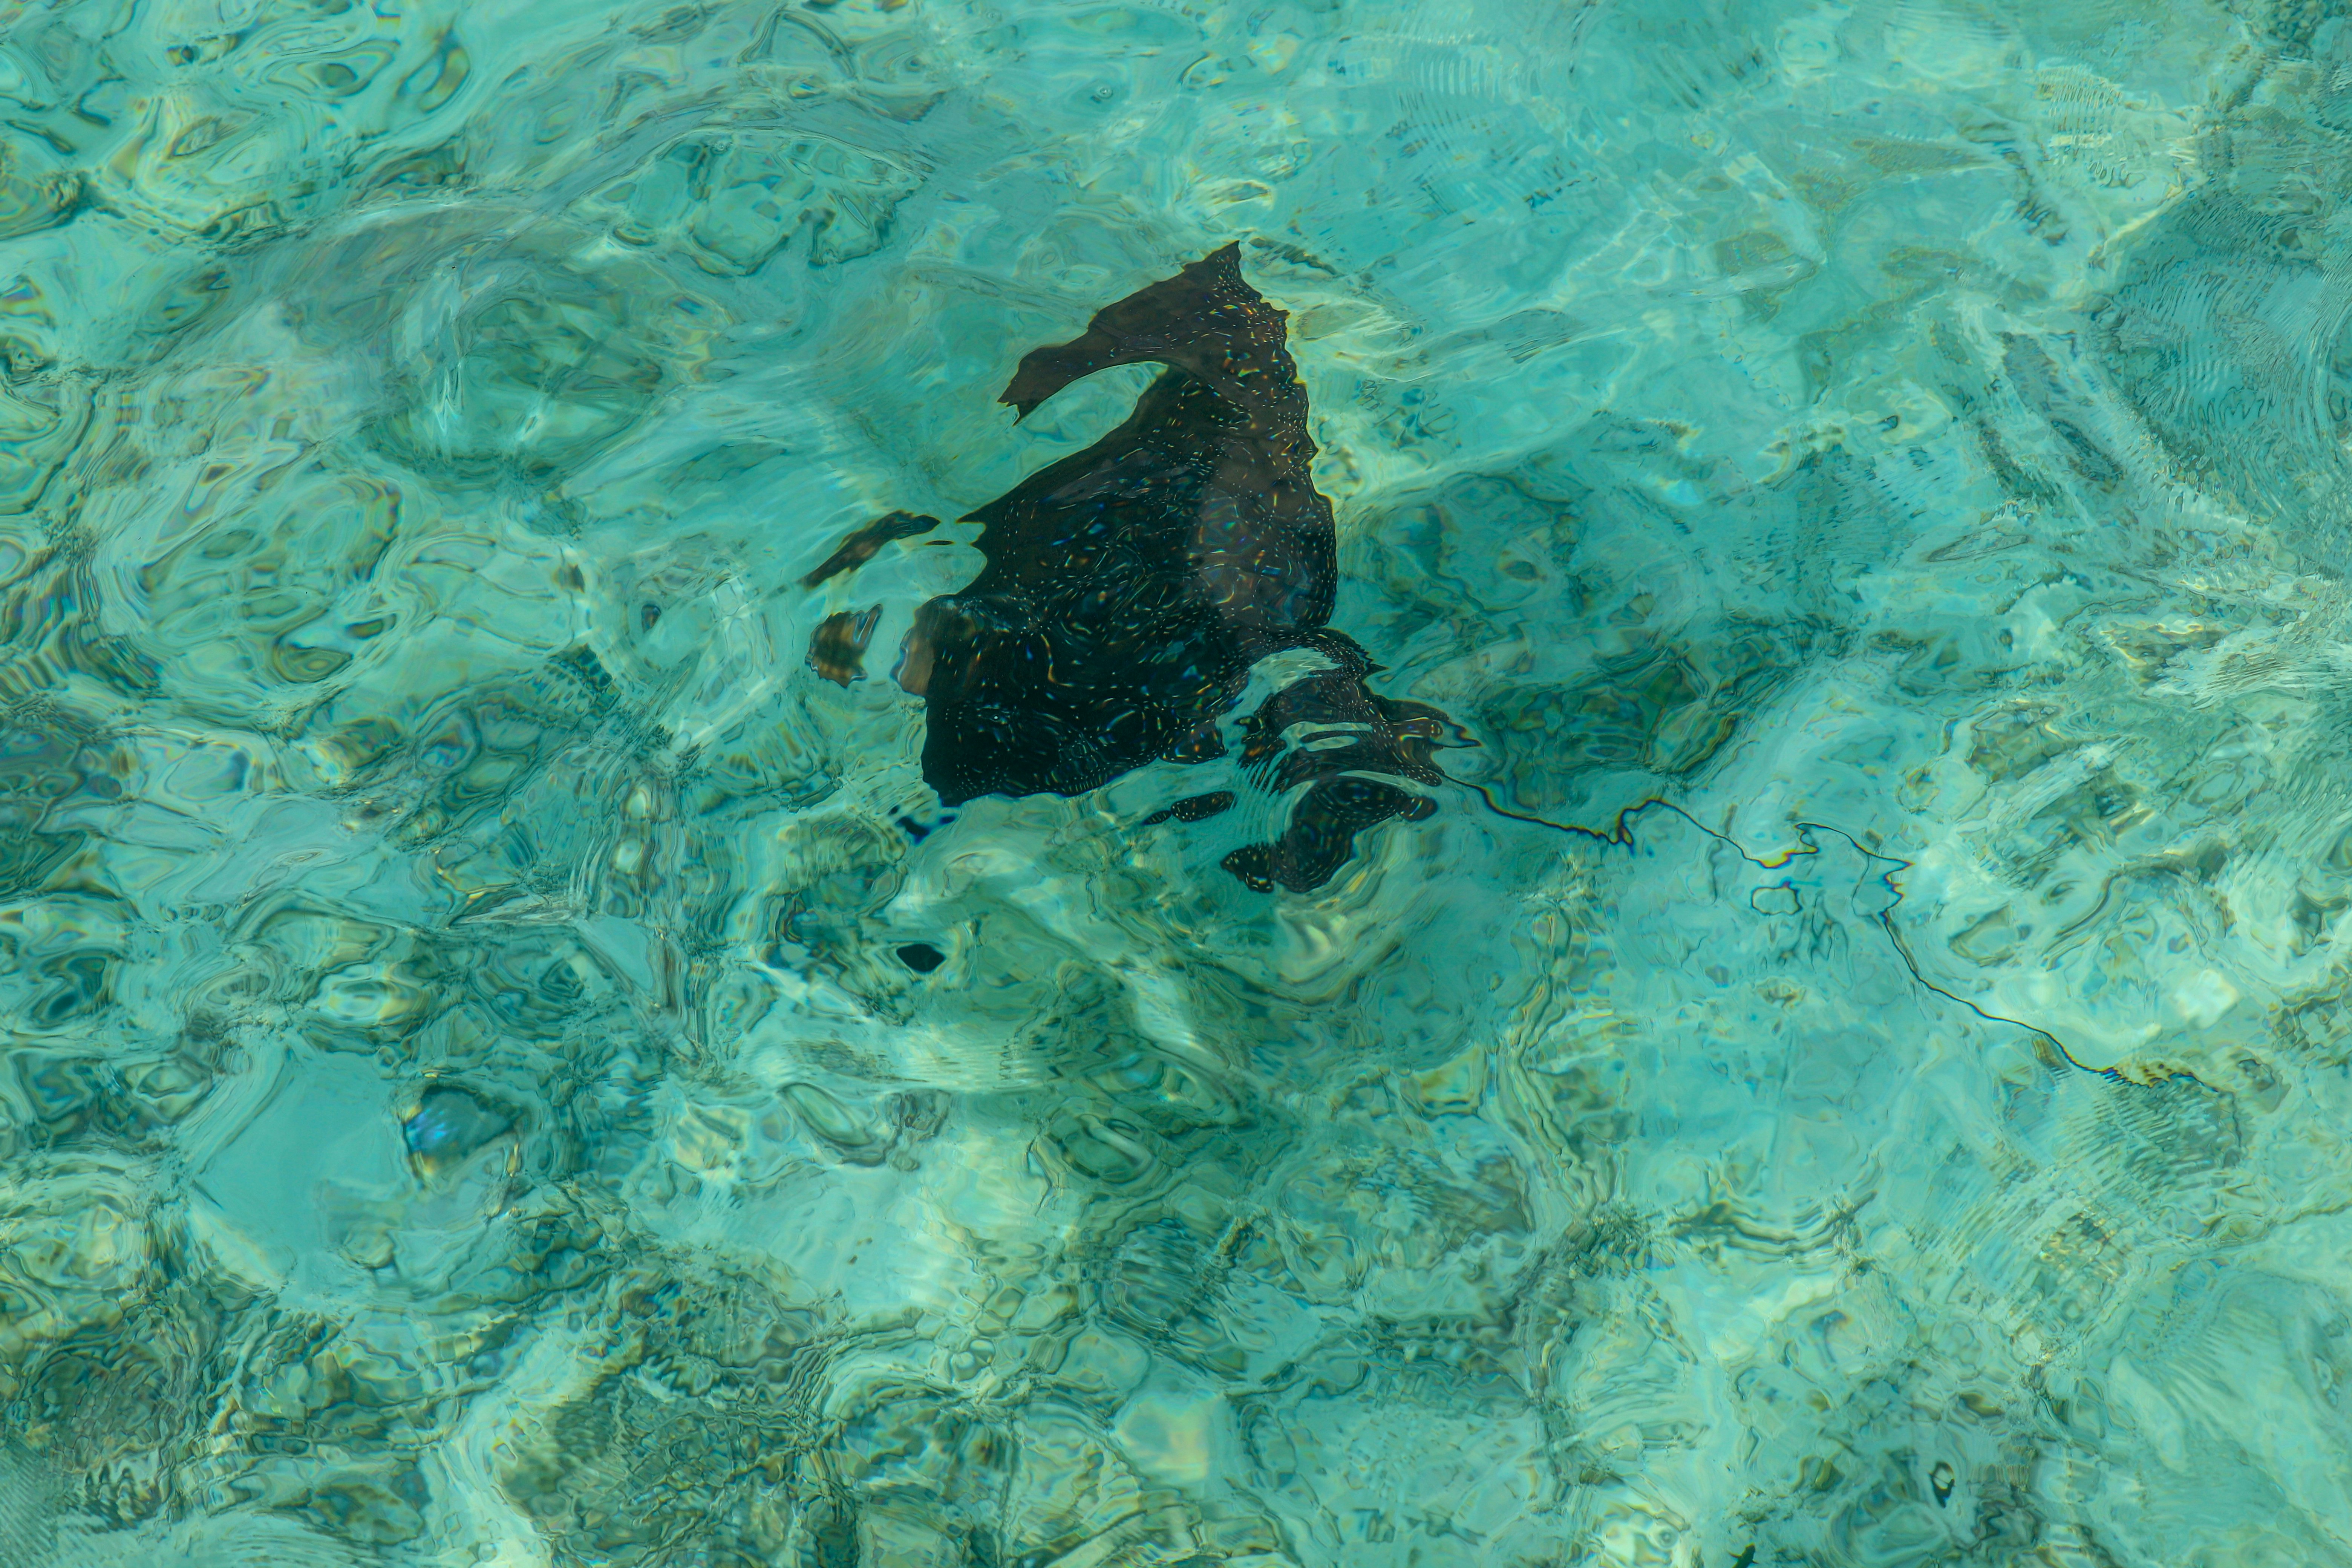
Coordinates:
508	1062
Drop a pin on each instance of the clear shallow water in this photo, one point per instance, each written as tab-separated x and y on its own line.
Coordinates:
466	1099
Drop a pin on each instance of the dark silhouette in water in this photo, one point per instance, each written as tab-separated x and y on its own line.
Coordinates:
862	546
837	646
1193	808
1130	587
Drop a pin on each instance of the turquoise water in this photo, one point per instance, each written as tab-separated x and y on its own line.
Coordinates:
507	1063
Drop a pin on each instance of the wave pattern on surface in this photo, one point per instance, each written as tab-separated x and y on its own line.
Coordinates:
507	1062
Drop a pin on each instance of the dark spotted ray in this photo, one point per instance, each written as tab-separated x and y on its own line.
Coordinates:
1130	587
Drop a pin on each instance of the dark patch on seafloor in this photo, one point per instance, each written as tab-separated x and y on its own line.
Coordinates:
1130	587
837	646
1193	808
863	545
921	957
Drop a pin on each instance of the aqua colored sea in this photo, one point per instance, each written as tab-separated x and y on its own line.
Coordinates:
970	783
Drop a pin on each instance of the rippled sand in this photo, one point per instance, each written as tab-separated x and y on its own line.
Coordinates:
507	1063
